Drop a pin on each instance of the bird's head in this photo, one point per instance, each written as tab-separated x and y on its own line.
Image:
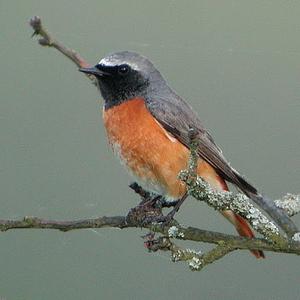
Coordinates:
125	75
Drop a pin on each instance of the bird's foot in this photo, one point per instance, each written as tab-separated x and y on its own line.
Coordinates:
164	220
145	211
149	211
167	219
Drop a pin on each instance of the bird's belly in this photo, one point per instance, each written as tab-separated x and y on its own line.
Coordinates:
150	154
141	171
153	156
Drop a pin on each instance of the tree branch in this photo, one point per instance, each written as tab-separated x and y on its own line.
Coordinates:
173	230
47	39
198	188
226	243
238	203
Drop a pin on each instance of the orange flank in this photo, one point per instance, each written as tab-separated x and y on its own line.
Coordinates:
155	157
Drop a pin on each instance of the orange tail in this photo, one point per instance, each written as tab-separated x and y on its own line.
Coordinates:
243	228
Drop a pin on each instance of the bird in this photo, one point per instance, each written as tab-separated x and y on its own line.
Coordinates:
148	124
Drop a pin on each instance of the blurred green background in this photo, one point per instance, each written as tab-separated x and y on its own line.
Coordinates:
236	62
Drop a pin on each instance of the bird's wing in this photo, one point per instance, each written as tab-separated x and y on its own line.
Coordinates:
177	117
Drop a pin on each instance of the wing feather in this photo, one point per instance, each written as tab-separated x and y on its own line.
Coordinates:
177	117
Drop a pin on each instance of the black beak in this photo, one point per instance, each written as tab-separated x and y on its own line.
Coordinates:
93	71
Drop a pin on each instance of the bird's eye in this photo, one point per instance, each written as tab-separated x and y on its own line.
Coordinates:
123	69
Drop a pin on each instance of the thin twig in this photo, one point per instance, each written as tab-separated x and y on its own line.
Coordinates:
183	233
47	39
195	259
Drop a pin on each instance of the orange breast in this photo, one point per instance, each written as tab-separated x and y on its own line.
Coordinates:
149	152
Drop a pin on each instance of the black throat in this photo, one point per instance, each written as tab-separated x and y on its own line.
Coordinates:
114	93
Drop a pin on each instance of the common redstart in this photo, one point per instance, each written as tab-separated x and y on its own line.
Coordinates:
148	127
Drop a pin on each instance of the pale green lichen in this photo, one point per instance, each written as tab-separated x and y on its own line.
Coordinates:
191	252
174	232
289	203
296	237
177	255
193	257
238	203
195	263
180	235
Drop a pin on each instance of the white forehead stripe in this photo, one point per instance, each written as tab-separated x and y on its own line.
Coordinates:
107	62
111	62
